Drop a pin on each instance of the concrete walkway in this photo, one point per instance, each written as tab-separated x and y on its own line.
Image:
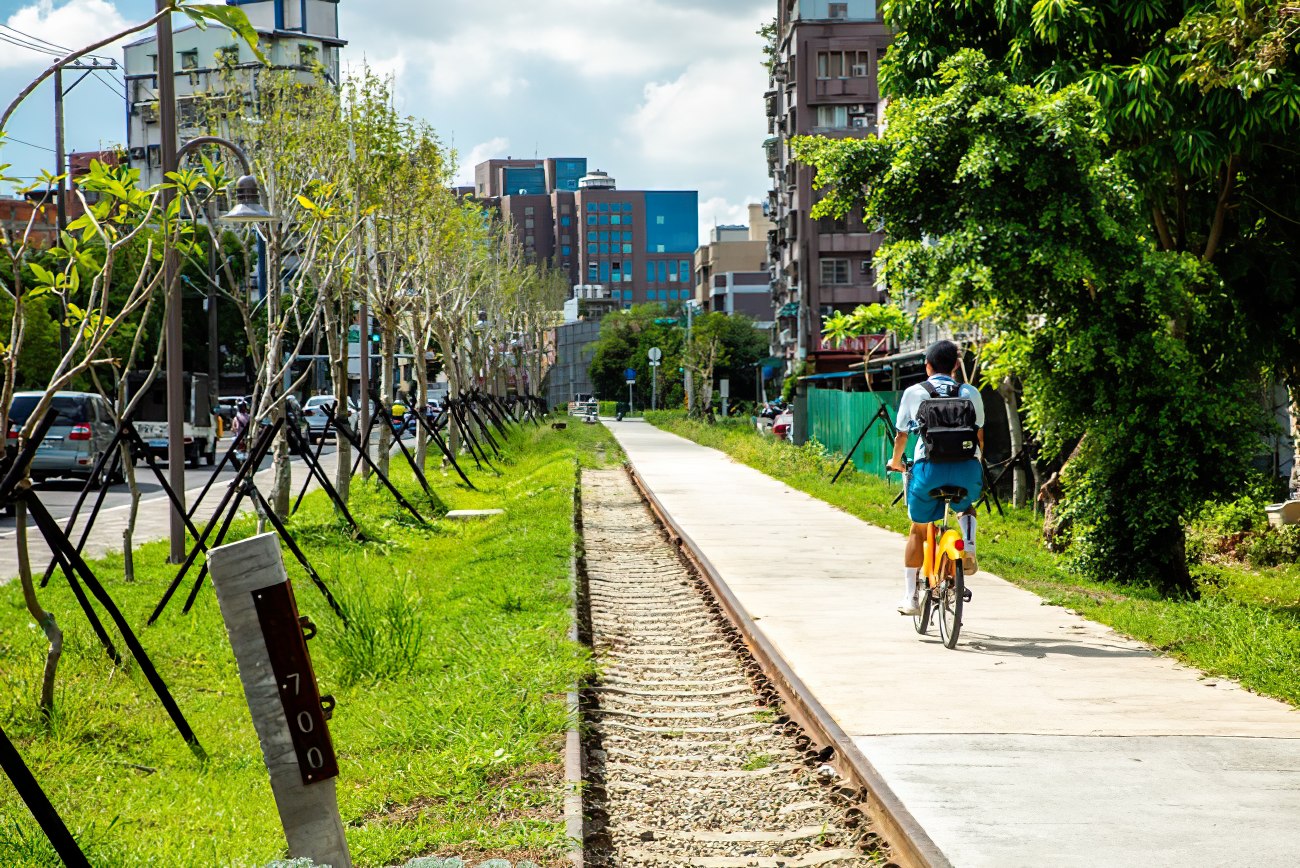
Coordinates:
152	522
1044	739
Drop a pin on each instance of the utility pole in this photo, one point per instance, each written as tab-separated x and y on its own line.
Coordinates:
171	286
689	381
61	160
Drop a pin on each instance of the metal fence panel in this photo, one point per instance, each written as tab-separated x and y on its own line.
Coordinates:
836	420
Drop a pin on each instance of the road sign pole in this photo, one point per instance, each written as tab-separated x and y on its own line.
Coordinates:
654	387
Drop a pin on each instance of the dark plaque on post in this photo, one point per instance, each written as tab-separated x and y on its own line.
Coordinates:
305	710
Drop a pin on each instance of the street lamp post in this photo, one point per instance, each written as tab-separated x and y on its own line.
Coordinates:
248	208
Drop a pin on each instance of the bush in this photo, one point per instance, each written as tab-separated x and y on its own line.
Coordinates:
1272	547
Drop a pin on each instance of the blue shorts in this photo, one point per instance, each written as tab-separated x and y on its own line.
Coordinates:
921	507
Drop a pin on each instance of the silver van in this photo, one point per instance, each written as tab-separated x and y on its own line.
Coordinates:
81	432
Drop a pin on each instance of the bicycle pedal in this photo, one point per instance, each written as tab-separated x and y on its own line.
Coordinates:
966	595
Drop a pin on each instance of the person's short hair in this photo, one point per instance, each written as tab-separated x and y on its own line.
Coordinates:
942	356
242	407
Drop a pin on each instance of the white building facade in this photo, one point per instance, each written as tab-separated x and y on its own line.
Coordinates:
297	35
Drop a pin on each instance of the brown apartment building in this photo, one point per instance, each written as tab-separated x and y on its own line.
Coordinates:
823	82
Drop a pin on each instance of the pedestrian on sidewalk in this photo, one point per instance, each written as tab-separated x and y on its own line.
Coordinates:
955	460
240	432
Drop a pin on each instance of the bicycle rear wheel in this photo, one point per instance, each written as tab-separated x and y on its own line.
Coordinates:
952	594
921	620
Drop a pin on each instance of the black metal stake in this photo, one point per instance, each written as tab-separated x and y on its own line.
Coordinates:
882	415
364	454
39	804
50	529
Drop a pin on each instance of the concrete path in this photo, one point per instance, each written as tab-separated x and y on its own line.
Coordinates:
152	523
1044	739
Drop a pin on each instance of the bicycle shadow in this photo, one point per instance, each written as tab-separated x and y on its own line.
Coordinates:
1037	648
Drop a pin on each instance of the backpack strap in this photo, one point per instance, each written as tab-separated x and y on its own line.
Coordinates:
929	388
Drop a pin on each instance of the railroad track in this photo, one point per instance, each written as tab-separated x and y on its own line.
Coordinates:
691	759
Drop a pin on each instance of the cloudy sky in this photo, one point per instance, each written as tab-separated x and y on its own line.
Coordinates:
663	94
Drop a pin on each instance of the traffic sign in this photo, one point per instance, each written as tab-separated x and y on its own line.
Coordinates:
655	354
630	374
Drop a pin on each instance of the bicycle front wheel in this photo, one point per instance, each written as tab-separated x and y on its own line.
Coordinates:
952	594
921	620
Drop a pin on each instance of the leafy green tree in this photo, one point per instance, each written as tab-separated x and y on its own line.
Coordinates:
1003	206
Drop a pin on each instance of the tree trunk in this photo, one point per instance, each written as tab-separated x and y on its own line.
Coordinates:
343	452
1176	579
388	348
421	398
1016	433
45	619
128	532
1293	488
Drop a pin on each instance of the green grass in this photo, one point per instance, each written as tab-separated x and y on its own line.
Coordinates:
1245	625
450	687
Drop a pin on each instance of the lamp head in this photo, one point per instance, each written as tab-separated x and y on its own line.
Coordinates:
248	203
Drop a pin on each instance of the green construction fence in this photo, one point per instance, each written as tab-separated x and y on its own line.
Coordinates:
836	420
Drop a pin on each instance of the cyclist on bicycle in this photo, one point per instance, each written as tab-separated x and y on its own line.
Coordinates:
959	465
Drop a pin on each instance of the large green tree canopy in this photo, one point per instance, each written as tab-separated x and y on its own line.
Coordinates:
1003	204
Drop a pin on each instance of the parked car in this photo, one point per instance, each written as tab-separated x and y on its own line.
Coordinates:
317	412
783	424
82	431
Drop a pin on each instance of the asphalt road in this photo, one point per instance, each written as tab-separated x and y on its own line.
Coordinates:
60	495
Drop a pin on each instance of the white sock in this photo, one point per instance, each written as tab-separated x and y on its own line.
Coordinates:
911	576
967	524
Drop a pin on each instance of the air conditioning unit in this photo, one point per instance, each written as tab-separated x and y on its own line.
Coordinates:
862	122
149	112
865	266
859	70
137	153
858	109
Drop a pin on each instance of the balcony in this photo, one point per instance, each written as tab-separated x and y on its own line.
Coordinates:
876	344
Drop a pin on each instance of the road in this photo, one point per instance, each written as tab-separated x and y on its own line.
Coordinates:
60	496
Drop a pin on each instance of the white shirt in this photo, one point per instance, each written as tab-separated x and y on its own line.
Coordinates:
911	402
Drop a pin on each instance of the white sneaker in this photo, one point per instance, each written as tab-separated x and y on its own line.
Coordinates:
909	606
969	565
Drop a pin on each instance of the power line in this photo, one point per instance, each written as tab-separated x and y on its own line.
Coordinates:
46	51
118	91
9	138
36	43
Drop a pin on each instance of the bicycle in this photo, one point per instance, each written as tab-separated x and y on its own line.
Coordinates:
944	576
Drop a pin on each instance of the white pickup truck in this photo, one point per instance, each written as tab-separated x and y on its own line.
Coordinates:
200	422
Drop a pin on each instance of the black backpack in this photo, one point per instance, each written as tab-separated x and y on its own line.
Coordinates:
946	423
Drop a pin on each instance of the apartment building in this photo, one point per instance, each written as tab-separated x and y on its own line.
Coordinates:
823	82
635	245
297	35
731	270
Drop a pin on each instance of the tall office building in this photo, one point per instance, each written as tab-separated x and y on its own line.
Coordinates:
636	245
823	82
297	35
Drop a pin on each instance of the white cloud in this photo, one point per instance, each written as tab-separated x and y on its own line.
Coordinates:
73	24
719	211
477	154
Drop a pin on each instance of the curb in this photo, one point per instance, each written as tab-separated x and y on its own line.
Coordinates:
910	844
575	771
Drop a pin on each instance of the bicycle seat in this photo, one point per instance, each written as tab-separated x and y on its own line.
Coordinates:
950	493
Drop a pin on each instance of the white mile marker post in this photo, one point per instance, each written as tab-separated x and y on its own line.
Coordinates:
289	713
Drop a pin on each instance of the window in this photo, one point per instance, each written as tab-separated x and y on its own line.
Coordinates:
591	219
529	223
565	209
604	206
627	236
843	64
604	219
839	10
659	248
659	220
566	250
604	272
617	295
566	221
593	235
616	219
627	248
604	236
306	55
228	55
529	211
650	272
592	248
604	248
591	206
832	117
627	206
684	271
627	219
566	239
190	59
835	272
663	272
592	272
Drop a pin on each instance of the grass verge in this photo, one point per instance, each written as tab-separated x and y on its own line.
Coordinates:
1245	625
450	686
